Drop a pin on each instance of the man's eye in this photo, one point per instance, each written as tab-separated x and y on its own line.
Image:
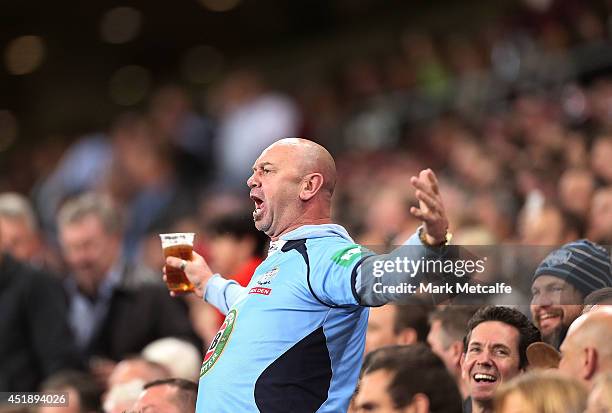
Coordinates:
266	171
474	350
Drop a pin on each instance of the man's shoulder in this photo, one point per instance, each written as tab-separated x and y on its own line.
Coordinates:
17	272
336	251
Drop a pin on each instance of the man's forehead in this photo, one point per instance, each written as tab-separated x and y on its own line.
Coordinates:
494	332
273	154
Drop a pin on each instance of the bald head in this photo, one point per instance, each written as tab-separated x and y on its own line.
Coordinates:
594	329
292	185
586	350
310	158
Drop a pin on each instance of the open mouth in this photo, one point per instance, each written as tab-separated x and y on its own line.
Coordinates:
548	318
484	378
258	205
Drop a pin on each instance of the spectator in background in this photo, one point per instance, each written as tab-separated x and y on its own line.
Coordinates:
494	352
35	339
547	226
19	229
575	190
189	135
83	392
541	392
446	333
168	396
143	182
115	308
390	382
601	153
127	381
250	119
395	324
561	282
236	246
600	218
586	350
597	299
181	358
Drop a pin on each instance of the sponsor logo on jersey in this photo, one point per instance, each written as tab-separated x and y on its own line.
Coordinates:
219	342
260	290
267	277
347	255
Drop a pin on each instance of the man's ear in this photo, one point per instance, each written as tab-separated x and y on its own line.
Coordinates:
419	404
461	363
406	337
589	366
311	184
456	351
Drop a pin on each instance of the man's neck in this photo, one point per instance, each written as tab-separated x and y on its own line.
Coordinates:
482	406
296	225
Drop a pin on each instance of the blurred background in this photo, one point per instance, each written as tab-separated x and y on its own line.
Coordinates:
508	101
159	109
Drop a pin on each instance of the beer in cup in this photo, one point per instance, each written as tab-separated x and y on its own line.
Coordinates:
179	245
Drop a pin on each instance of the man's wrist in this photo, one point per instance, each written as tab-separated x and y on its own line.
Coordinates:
428	240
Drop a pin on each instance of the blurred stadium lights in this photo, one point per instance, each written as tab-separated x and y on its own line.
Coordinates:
8	129
24	54
220	5
129	85
201	64
120	25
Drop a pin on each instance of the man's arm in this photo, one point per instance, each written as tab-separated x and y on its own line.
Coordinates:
213	288
354	276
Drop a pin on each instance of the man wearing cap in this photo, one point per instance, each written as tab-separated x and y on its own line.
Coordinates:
561	282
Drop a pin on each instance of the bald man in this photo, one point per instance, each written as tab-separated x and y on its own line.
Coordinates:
293	339
586	350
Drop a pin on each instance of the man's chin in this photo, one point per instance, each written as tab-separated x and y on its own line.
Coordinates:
261	226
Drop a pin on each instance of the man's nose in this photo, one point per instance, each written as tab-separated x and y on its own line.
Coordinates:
541	300
484	358
252	182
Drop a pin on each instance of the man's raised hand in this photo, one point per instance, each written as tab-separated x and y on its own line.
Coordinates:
431	208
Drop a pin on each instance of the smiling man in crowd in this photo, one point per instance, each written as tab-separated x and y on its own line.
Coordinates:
495	351
561	282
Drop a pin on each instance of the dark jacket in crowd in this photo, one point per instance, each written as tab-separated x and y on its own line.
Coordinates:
35	340
140	312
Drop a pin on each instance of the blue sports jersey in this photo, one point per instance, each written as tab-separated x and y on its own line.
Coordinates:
293	339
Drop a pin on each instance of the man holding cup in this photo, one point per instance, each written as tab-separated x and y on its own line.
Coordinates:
293	339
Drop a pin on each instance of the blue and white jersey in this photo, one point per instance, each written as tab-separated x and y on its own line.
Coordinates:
293	339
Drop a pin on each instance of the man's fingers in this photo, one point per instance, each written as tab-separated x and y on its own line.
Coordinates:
174	262
433	181
423	185
431	202
421	215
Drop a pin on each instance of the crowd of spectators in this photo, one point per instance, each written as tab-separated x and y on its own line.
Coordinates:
515	120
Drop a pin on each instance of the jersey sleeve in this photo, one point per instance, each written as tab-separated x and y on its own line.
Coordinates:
350	275
333	272
222	293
